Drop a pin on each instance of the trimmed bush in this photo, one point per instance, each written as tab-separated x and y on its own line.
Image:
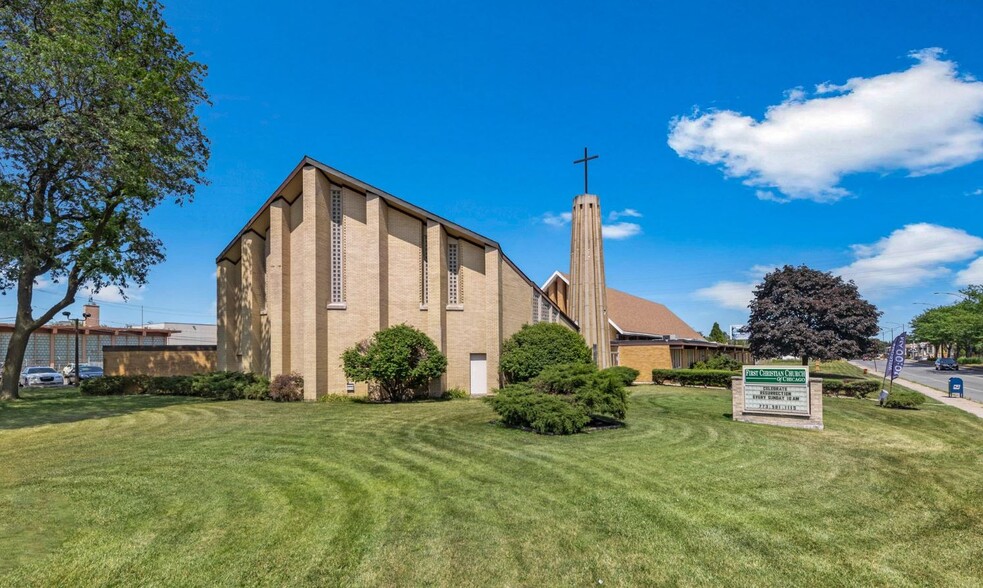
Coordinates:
215	385
534	347
718	362
714	378
223	385
520	405
400	360
625	374
857	388
562	399
904	399
169	385
970	360
287	388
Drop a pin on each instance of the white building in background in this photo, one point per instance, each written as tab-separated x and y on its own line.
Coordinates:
188	333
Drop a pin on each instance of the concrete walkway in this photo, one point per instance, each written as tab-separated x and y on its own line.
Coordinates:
973	408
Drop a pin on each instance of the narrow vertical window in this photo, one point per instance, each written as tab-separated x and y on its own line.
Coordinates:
453	274
535	307
337	248
424	270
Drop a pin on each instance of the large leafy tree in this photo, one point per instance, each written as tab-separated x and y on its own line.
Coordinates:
97	127
812	314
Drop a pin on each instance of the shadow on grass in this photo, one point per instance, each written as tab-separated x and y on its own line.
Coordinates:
65	405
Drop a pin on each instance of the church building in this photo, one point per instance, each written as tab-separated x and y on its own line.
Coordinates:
328	260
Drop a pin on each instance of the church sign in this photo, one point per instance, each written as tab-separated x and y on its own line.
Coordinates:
778	395
776	390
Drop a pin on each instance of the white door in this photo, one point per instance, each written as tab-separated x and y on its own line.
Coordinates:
479	374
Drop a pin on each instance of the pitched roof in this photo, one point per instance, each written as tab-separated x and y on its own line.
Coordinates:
633	315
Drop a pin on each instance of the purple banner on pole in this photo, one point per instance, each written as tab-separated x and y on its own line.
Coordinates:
895	359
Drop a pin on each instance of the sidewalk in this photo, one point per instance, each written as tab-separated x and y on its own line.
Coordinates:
973	408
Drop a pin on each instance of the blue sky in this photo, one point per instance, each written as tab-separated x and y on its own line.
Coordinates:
734	137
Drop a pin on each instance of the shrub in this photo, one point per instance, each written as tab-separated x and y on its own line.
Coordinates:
534	347
859	388
401	360
716	378
215	385
626	374
223	385
718	362
456	393
169	385
970	360
287	388
520	405
904	399
562	399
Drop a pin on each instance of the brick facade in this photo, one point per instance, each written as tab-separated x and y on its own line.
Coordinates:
278	284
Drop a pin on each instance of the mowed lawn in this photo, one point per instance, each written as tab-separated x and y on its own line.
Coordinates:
175	491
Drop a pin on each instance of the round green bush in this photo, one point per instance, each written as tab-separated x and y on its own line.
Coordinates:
534	347
401	360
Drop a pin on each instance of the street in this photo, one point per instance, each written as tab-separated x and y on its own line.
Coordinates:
924	372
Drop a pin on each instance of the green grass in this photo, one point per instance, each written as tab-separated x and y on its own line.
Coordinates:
168	491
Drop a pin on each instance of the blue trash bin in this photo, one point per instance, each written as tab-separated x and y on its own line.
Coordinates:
956	387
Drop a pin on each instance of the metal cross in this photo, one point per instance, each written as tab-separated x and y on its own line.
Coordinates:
584	161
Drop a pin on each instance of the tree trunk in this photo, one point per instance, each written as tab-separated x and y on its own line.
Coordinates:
805	360
13	363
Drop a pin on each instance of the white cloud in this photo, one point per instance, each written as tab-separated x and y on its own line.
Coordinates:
628	212
976	192
909	256
769	196
112	294
620	230
972	274
557	220
923	120
735	294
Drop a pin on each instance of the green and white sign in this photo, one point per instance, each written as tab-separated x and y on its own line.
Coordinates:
776	390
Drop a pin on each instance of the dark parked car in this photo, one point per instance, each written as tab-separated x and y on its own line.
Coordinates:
87	372
946	363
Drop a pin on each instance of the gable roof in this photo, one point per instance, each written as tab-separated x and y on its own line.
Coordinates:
631	315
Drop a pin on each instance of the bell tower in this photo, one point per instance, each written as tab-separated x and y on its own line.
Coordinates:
588	290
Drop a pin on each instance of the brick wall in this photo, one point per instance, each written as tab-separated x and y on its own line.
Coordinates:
645	358
174	360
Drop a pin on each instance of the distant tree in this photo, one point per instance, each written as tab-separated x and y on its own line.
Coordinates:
717	334
401	360
953	327
97	127
535	347
812	314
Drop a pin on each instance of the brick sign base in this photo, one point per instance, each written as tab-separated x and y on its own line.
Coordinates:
813	421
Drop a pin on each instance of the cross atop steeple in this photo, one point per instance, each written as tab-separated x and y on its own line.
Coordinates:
585	161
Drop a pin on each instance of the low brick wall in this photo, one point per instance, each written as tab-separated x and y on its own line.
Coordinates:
158	360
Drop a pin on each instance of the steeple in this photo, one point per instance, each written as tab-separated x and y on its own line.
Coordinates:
588	290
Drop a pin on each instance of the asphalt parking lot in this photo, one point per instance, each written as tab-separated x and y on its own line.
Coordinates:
924	372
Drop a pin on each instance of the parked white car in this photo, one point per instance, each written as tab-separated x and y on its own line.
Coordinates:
41	376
